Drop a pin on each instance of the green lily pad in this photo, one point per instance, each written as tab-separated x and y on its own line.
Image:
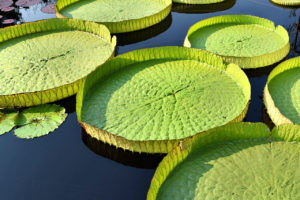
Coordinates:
248	41
203	8
7	120
287	2
160	95
236	161
45	61
198	1
39	121
118	15
282	92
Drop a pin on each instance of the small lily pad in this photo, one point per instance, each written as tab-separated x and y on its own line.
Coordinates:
49	9
5	3
7	120
27	3
39	121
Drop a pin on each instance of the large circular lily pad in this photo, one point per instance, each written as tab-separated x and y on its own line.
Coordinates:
46	61
237	161
118	15
245	40
282	92
147	100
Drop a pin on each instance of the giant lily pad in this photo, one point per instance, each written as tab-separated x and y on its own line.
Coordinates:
287	2
7	120
237	161
148	100
39	121
282	93
203	8
245	40
198	1
45	61
118	15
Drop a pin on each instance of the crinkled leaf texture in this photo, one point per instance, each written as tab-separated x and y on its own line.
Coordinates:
118	15
150	99
235	161
7	120
282	92
39	121
245	40
44	61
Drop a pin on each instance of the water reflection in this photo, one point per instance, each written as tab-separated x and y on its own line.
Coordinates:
203	8
144	34
138	160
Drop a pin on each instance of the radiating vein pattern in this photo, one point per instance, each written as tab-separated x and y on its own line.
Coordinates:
48	60
161	100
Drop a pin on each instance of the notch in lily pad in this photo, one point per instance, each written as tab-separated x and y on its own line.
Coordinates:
39	121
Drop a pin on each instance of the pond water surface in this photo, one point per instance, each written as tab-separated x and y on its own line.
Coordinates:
67	164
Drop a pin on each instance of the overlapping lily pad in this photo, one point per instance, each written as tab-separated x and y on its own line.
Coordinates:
148	100
45	61
248	41
118	15
236	161
282	93
7	120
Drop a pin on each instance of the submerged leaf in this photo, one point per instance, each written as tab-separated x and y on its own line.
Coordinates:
40	120
7	120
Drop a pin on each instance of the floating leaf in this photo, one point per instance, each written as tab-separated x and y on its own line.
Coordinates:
282	92
118	15
287	2
39	121
50	59
236	161
200	2
49	9
27	3
245	40
203	8
5	3
152	98
7	120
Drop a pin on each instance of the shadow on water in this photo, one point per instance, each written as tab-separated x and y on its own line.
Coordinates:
133	159
266	118
144	34
203	8
256	72
68	103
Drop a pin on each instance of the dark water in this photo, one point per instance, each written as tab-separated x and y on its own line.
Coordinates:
64	165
